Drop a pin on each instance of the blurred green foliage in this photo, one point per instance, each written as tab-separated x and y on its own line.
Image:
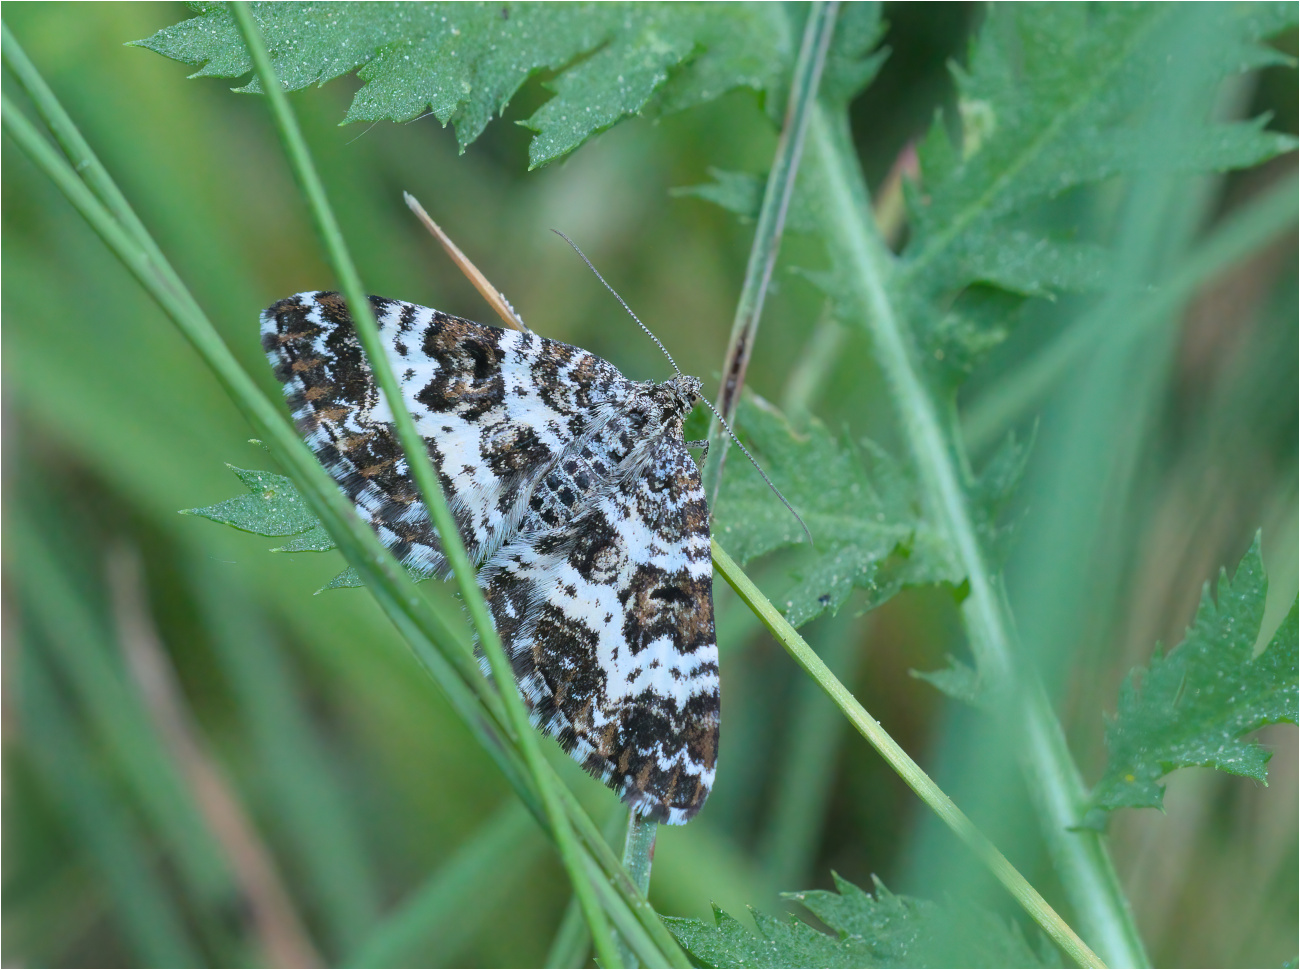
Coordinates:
1156	456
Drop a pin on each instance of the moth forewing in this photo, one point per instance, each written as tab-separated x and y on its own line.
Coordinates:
572	487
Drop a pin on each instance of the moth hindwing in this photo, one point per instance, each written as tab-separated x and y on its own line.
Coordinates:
577	500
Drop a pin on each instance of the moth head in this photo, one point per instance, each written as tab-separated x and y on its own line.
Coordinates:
687	390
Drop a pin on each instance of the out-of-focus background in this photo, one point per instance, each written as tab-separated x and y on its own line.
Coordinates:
323	750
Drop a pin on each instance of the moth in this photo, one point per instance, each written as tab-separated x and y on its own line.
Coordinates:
577	500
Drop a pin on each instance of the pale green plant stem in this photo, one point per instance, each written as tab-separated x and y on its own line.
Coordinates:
429	638
430	488
1082	863
638	849
818	31
904	766
638	855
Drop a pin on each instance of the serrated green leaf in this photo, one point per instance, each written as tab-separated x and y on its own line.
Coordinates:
863	516
883	930
347	579
1054	97
1031	265
1195	705
958	680
852	61
742	194
751	50
936	157
977	321
991	493
465	61
738	192
314	540
273	507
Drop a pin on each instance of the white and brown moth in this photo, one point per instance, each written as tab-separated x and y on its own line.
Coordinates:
578	502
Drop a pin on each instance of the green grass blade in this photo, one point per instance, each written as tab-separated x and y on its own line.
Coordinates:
907	769
638	852
818	31
571	945
426	479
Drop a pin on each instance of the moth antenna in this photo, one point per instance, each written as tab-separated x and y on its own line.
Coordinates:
775	491
611	289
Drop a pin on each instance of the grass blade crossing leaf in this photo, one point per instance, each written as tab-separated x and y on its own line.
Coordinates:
464	62
860	506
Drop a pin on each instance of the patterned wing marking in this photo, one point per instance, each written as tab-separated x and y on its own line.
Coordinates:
495	408
609	623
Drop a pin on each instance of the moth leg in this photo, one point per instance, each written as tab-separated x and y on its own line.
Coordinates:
703	445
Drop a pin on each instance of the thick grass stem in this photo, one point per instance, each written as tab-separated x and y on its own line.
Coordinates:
1085	869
